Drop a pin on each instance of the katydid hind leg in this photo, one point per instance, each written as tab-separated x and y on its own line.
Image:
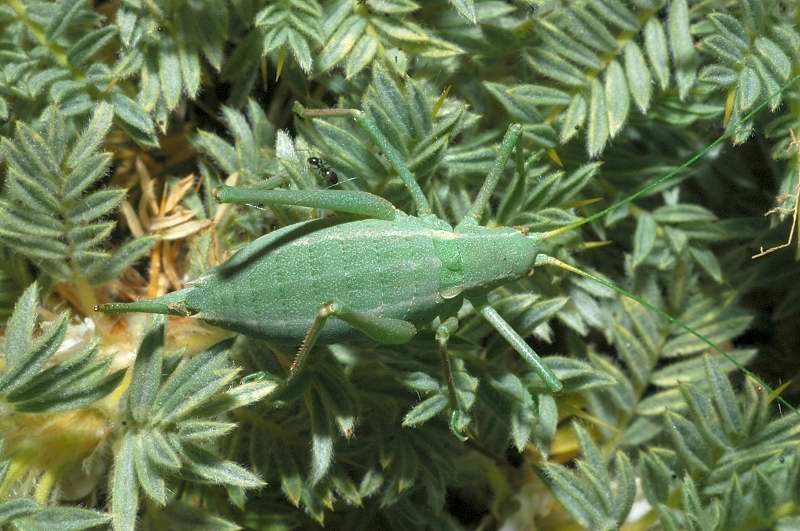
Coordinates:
345	201
458	417
381	329
516	341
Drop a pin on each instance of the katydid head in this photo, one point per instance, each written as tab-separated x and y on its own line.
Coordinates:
493	256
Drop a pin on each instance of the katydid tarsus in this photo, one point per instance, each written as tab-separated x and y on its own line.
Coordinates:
384	276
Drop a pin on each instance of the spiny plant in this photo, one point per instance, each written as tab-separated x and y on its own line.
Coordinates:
119	120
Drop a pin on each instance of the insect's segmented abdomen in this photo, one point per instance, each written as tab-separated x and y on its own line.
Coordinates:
280	282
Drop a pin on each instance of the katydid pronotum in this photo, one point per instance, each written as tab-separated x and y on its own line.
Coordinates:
385	275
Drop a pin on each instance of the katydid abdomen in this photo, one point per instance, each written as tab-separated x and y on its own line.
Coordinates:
274	287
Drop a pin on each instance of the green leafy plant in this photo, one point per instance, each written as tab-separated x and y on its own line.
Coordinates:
120	119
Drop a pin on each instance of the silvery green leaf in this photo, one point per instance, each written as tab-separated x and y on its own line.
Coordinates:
347	489
169	71
322	434
544	431
425	410
638	76
341	42
122	259
682	46
85	174
625	491
192	383
749	88
159	452
361	55
148	475
725	399
66	518
616	97
38	155
300	50
704	418
16	508
597	132
67	13
132	115
716	332
146	376
180	516
655	43
687	442
95	205
466	9
90	44
92	136
724	50
718	75
220	151
29	364
734	506
683	213
636	357
765	495
218	471
540	94
124	486
203	430
370	482
693	369
597	34
708	261
644	238
340	398
239	396
574	118
19	328
551	65
656	478
730	28
289	472
572	493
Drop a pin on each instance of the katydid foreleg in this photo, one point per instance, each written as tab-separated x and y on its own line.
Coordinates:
516	341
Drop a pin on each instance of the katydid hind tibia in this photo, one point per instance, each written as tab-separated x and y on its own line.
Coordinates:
384	276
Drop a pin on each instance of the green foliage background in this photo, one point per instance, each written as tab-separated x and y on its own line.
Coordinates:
130	422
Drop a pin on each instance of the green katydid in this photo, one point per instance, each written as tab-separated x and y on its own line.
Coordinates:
384	276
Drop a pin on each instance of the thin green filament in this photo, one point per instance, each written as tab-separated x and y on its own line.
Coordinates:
549	260
672	174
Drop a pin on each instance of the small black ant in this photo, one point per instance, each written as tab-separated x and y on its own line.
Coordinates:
324	170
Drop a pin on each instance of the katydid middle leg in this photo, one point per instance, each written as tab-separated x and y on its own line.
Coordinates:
381	329
516	341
